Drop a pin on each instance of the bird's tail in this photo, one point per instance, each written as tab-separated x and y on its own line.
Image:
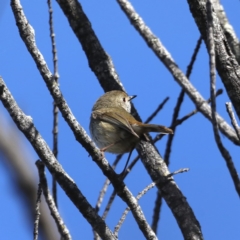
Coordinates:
154	128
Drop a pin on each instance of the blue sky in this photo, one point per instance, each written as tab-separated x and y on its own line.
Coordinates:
207	186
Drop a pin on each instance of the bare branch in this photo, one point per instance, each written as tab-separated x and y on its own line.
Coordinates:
55	108
113	195
159	108
37	213
228	30
233	119
174	198
156	211
62	228
227	66
183	119
118	226
179	103
226	155
98	60
106	184
25	124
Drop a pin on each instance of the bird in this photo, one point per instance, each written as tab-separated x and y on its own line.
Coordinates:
112	126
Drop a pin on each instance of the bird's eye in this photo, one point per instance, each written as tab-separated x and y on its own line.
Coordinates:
124	99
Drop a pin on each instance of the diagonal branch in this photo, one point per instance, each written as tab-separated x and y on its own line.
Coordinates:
25	124
233	119
174	198
227	28
37	213
211	46
98	60
55	108
179	104
62	228
227	66
158	201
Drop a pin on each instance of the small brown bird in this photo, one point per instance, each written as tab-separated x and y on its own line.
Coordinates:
112	126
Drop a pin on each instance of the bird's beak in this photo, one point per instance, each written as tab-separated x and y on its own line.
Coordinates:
132	97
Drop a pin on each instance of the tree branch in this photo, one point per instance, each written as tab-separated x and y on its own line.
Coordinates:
211	46
62	228
25	124
227	66
233	119
174	198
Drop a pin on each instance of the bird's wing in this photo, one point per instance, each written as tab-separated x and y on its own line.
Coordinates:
111	116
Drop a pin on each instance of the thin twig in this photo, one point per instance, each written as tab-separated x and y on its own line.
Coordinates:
109	204
181	170
179	103
233	119
52	36
55	108
183	119
118	226
159	108
186	117
211	45
113	195
37	212
106	184
167	153
156	211
102	194
62	228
